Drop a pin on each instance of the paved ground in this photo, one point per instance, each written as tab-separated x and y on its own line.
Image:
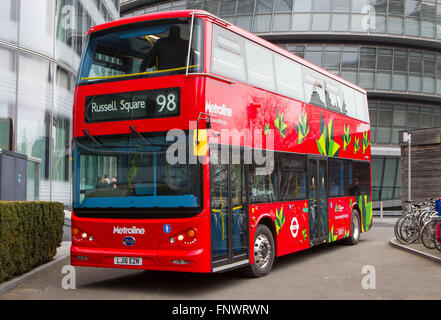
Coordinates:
326	272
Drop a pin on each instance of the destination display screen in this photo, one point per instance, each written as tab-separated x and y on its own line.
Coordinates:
158	103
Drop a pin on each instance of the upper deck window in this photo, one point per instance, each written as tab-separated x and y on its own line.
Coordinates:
150	49
238	58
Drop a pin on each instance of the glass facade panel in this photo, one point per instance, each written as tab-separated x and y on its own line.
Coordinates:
395	25
340	22
34	107
301	22
244	22
262	23
320	22
8	21
383	135
322	6
227	7
281	22
7	96
282	5
302	5
245	7
37	34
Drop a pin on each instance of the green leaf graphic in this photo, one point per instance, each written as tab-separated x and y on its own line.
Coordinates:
280	220
303	127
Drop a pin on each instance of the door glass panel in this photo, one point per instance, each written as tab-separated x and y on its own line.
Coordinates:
219	206
238	203
318	199
313	201
323	199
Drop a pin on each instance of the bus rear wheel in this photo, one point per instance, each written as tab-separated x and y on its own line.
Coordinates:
354	238
264	252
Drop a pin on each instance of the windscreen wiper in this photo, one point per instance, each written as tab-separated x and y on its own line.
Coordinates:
147	142
87	133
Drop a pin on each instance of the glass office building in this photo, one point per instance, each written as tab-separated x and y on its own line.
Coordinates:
40	48
392	48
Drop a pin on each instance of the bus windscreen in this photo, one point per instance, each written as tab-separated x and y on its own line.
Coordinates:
127	171
152	49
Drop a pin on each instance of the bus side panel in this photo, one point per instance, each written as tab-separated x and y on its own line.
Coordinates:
340	210
291	224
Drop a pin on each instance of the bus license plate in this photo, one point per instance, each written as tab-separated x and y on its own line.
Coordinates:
128	261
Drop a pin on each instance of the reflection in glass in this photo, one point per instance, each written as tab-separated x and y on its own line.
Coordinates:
320	22
35	91
281	22
8	21
37	33
340	22
300	22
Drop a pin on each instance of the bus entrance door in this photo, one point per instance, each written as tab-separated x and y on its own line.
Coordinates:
229	210
318	200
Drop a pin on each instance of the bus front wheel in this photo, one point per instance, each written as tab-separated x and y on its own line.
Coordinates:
264	252
354	238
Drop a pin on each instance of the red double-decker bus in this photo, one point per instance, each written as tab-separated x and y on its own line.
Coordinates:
201	147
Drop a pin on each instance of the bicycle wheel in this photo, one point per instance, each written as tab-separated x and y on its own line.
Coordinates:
409	230
437	236
397	227
428	234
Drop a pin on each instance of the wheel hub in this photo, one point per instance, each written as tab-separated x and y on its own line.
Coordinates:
262	251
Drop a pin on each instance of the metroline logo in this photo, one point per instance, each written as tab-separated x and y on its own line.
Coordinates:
132	230
220	110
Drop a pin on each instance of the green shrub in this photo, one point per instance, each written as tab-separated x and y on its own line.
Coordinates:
30	233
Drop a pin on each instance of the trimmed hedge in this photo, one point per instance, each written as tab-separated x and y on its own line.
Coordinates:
30	233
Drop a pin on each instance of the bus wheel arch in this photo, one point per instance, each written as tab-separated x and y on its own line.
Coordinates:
270	224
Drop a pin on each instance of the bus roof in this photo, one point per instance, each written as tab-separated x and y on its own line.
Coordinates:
230	26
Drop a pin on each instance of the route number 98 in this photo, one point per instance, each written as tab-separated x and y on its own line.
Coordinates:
167	101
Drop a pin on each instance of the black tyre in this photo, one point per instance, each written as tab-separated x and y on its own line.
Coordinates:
408	231
354	238
264	252
428	234
436	240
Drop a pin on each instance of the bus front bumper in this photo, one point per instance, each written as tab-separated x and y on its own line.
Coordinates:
195	260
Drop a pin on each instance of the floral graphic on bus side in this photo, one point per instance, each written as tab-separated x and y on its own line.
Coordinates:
280	220
332	237
266	129
346	137
305	234
356	145
280	124
365	142
326	144
303	127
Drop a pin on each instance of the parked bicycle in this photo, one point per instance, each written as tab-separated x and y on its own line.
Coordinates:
420	222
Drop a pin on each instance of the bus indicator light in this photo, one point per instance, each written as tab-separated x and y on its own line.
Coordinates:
191	233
